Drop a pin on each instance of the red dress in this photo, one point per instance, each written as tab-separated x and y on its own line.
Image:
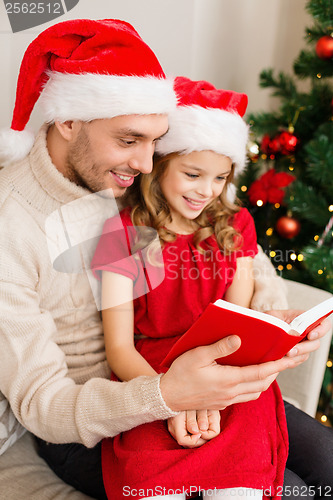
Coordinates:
251	450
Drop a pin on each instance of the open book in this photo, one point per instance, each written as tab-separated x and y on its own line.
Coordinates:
264	337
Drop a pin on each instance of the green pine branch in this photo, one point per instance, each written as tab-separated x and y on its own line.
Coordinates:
308	64
265	123
306	203
314	33
283	84
320	258
321	11
320	158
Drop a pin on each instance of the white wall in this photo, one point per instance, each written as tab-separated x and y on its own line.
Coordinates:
225	41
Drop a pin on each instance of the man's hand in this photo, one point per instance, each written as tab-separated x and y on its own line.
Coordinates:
302	350
195	380
192	429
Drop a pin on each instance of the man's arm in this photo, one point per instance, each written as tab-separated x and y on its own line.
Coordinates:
34	374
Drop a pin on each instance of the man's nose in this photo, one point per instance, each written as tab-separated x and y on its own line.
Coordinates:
142	159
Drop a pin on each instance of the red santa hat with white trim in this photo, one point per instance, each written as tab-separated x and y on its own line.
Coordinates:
207	118
84	70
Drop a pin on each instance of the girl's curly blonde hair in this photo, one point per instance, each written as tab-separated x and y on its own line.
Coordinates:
150	209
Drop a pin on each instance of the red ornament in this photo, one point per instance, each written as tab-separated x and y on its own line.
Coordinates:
269	146
324	47
288	143
288	227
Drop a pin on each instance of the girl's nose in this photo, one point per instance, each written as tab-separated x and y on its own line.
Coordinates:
205	189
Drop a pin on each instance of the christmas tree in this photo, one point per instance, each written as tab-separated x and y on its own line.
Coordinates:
288	185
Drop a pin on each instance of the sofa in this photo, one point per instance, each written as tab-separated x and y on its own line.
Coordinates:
23	475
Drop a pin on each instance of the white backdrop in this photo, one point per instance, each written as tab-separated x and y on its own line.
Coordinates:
225	41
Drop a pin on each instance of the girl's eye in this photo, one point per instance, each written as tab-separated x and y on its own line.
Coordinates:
221	178
191	176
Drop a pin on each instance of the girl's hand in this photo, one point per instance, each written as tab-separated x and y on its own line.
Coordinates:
213	420
192	429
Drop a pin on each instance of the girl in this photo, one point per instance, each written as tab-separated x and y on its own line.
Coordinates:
208	244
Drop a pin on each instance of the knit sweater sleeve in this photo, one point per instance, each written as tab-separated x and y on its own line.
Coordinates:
33	371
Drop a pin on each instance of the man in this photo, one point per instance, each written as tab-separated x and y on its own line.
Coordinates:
106	99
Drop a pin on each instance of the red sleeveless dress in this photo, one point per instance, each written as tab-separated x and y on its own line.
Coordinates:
251	450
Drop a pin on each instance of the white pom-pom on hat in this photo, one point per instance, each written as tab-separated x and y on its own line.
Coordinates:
14	145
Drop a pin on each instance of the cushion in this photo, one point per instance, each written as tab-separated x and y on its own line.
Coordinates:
10	429
23	474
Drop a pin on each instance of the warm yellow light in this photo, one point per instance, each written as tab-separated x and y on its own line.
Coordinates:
300	257
293	256
291	167
280	267
244	188
329	364
260	203
316	238
320	271
330	208
254	148
269	231
318	75
264	157
323	418
272	253
289	266
277	205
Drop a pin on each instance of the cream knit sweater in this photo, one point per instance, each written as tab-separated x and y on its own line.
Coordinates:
53	368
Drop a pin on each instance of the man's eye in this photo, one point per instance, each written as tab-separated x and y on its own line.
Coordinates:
191	176
127	142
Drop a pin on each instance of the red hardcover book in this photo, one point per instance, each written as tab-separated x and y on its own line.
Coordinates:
264	337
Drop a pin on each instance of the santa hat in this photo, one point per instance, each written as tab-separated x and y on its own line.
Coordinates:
83	70
207	118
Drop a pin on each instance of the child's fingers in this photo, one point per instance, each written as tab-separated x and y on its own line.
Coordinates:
193	441
202	419
177	427
214	428
178	430
191	422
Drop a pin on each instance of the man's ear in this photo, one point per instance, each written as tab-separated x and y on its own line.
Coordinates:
68	130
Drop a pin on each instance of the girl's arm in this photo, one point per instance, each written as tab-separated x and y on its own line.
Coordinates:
118	325
241	289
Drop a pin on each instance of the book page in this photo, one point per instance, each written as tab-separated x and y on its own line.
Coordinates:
304	320
268	318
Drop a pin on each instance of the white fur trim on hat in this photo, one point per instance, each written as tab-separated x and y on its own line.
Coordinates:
194	128
91	96
14	145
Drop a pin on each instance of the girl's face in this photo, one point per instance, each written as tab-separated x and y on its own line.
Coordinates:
190	183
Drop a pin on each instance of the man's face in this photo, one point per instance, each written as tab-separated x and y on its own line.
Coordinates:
109	153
